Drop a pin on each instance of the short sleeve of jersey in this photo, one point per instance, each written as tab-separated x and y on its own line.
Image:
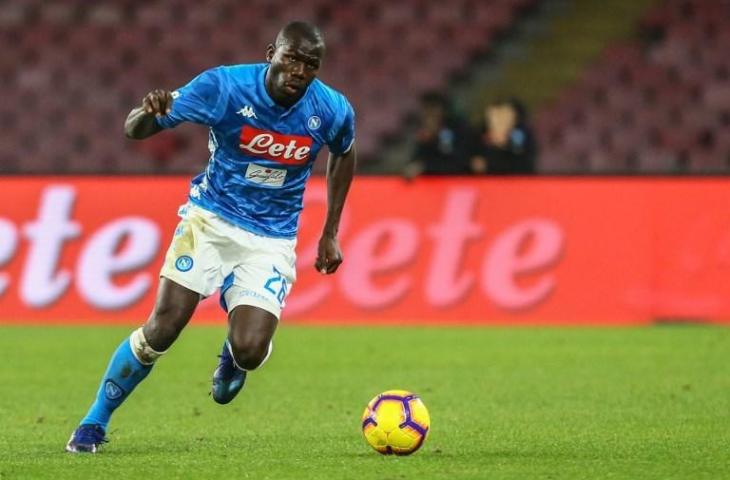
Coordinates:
345	133
202	101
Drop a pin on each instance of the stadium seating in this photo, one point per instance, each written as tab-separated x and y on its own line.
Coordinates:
76	68
656	105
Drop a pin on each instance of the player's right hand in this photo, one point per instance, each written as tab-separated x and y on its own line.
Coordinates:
158	102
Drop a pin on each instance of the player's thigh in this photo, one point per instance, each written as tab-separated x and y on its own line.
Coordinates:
174	307
174	301
192	270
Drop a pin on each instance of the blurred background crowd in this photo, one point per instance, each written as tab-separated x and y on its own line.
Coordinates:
480	87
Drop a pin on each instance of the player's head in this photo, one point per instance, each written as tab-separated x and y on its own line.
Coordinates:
295	58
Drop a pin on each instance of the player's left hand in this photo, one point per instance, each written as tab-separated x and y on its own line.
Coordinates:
329	255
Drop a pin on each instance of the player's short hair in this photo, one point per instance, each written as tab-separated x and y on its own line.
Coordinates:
300	30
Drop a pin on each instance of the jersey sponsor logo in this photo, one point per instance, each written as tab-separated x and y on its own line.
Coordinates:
271	177
287	149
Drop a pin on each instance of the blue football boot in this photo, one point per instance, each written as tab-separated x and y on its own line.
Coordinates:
86	439
228	379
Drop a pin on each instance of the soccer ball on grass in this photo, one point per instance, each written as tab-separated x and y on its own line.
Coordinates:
396	422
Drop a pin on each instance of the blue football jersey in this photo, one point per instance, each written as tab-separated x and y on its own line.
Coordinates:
261	153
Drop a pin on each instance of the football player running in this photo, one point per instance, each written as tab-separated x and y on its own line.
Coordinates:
237	232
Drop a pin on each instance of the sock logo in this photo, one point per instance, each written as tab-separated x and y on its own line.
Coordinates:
112	390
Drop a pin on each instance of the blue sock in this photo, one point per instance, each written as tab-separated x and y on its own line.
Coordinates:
122	375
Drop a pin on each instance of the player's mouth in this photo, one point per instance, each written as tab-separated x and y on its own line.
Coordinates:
293	88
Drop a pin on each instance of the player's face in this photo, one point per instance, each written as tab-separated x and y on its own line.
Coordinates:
294	65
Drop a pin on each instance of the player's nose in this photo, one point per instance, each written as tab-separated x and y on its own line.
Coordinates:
298	70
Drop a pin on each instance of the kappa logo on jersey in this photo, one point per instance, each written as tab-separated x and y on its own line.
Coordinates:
247	112
288	149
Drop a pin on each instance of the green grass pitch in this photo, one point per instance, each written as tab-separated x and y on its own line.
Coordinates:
522	403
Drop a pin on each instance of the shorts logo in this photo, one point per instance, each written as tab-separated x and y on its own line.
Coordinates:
112	391
184	263
314	122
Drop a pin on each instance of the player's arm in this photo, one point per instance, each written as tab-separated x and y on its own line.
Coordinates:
141	121
340	170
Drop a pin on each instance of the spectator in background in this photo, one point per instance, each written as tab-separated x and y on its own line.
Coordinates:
444	141
507	144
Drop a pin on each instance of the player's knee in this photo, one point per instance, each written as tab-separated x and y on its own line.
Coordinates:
249	351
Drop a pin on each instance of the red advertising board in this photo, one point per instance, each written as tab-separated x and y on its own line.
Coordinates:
452	251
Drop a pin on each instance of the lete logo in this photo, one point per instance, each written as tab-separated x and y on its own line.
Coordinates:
288	149
122	246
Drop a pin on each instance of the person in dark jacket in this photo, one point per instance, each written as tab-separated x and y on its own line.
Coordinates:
444	141
507	144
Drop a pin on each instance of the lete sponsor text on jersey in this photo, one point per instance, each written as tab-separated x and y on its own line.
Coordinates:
287	149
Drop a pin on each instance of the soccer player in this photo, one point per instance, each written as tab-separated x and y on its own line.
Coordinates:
237	231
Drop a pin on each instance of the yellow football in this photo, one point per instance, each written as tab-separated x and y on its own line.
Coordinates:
396	422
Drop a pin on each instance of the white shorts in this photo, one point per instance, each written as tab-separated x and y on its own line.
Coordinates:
208	252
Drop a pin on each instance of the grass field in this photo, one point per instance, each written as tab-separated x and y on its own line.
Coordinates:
526	403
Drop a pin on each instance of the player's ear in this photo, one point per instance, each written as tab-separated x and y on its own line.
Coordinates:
270	49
